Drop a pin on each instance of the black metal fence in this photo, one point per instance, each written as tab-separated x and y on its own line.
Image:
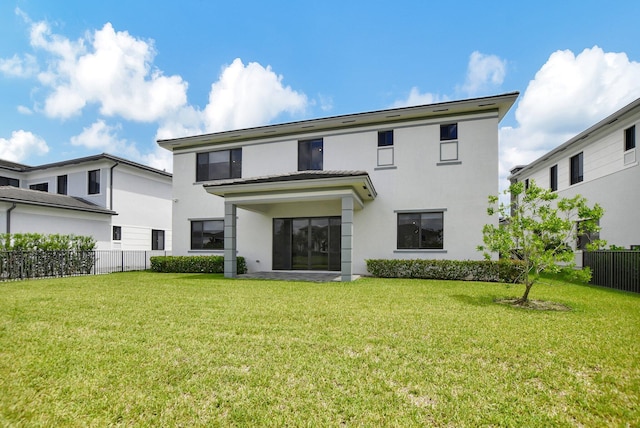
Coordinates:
15	265
614	269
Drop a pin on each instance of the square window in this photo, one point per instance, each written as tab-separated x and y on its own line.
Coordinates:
310	155
385	138
385	156
421	230
630	138
449	132
576	168
207	235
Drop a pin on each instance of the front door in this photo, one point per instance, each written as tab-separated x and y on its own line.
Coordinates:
308	243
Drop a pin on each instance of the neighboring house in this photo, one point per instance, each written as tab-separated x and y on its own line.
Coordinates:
600	164
122	204
327	194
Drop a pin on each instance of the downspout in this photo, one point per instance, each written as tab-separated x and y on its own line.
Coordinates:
9	217
111	185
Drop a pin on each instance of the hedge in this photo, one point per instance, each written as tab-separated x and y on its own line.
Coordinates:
193	264
467	270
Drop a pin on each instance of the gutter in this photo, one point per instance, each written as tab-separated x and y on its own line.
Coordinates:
111	185
13	206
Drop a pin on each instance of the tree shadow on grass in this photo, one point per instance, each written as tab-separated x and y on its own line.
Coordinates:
474	300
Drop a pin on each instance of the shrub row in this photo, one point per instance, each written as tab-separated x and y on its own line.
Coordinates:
34	255
193	264
467	270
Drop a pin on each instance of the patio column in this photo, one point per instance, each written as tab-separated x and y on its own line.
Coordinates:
347	239
230	245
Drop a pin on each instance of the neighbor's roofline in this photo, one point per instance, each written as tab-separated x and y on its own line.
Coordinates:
93	158
500	103
602	125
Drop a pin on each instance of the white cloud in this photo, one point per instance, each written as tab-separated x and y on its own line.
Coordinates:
16	66
568	94
99	136
21	145
484	73
251	95
109	68
24	110
416	98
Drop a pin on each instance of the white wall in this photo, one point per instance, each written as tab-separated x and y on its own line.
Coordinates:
416	182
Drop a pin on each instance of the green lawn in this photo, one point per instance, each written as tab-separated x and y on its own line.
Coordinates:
145	349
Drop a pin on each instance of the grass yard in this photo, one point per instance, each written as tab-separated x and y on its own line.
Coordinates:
145	349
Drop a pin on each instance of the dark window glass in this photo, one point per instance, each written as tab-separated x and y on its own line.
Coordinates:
310	155
385	138
62	185
553	178
94	182
630	138
420	230
219	165
6	181
42	187
207	235
307	243
449	132
526	183
117	233
157	239
577	168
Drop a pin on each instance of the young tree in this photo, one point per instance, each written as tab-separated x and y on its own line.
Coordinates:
541	230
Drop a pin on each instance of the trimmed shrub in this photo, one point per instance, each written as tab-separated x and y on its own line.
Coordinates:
193	264
467	270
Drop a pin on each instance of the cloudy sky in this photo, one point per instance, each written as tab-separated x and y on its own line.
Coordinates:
80	77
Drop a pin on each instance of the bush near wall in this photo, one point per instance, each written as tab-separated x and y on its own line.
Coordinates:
467	270
193	264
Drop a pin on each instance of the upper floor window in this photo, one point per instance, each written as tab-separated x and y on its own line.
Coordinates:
449	142
6	181
449	132
576	168
157	239
42	187
310	155
385	148
62	185
219	165
207	235
94	182
630	138
553	178
421	230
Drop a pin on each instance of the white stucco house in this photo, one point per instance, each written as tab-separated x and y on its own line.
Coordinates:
601	164
327	194
122	204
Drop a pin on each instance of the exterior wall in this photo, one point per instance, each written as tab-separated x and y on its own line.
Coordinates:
45	220
417	180
608	179
142	200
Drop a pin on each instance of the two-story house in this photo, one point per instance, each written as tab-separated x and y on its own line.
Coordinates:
122	204
601	164
327	194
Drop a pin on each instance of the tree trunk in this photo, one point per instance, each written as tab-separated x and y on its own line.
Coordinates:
527	288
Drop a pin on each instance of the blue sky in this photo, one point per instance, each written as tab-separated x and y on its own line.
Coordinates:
81	77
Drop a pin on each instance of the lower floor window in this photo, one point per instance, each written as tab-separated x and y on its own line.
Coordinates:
157	239
207	234
421	230
117	233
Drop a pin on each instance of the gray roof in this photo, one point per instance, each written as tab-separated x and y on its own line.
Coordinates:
116	159
35	197
291	176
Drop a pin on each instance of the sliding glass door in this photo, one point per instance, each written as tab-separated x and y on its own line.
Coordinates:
306	243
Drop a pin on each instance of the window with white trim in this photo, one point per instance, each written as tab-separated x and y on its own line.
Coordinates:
385	148
449	142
